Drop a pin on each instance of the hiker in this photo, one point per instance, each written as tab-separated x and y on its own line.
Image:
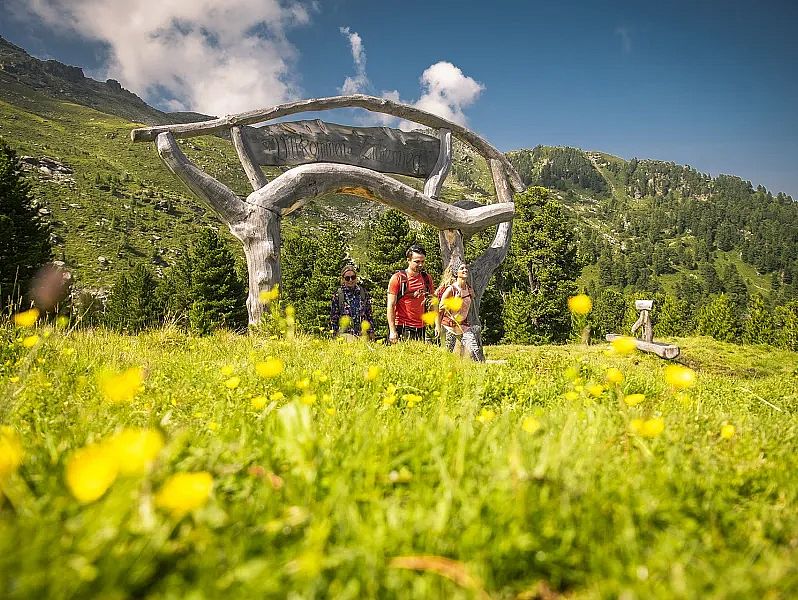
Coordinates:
408	291
350	309
456	299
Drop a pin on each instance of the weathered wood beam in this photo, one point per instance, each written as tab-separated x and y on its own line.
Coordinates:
370	103
434	183
294	188
221	198
662	350
254	173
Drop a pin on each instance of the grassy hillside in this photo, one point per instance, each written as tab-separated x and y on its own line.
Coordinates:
531	478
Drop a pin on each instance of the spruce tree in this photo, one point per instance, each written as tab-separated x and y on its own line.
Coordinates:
717	319
217	293
325	279
673	318
786	322
609	311
543	265
389	242
24	237
133	305
758	326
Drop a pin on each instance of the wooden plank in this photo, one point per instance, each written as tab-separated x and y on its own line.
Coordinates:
371	103
668	351
380	149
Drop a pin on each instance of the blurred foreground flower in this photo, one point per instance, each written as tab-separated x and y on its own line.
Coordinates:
624	344
595	390
364	327
344	323
486	415
135	449
411	399
679	376
269	296
372	373
233	382
530	424
581	304
633	399
649	428
90	471
124	386
452	303
270	368
614	375
258	402
27	318
727	431
30	341
184	492
429	317
11	453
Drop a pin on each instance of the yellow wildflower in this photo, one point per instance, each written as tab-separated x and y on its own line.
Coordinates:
633	399
62	321
571	395
266	296
452	303
123	386
14	379
679	376
429	317
68	351
411	399
330	410
595	390
30	341
320	376
277	396
302	384
364	327
11	452
727	431
184	492
530	424
345	322
270	368
308	398
90	471
572	373
227	370
614	375
372	373
258	402
233	382
647	428
624	344
581	304
388	400
213	426
27	318
486	415
135	449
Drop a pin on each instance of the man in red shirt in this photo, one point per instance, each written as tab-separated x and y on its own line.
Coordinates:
407	294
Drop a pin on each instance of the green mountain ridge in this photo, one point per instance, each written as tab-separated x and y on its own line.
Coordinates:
112	203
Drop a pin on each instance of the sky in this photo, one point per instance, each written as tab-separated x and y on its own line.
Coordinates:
709	84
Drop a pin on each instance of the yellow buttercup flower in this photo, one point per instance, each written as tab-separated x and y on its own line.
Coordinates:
345	322
571	395
364	326
277	396
266	296
614	375
530	424
595	390
372	373
429	318
270	368
680	377
308	399
258	402
90	471
62	321
727	431
124	386
486	415
624	344
412	399
27	318
135	449
233	382
11	452
184	492
649	428
581	304
633	399
452	303
30	341
227	370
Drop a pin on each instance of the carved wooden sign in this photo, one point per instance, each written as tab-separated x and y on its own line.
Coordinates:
380	149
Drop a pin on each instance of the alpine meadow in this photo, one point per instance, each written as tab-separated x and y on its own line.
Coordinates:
178	420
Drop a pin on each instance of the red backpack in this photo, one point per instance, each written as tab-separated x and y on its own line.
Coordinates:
403	283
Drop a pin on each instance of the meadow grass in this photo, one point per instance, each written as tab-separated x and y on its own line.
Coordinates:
531	480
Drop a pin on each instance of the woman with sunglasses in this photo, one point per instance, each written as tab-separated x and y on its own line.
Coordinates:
453	312
350	310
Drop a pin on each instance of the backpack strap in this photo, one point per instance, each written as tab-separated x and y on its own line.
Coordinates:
404	281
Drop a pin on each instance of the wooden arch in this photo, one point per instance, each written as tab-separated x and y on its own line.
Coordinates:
255	220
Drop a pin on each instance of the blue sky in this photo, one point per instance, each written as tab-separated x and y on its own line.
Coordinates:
710	84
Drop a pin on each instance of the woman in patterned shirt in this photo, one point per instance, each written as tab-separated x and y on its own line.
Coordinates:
350	309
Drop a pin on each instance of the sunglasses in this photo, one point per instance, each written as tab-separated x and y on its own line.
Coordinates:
350	277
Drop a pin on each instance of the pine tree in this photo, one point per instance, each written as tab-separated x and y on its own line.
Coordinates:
609	311
718	320
24	237
389	242
217	293
542	264
133	305
673	318
786	323
758	324
330	256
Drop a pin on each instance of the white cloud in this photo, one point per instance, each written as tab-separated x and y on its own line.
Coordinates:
204	55
360	82
446	91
